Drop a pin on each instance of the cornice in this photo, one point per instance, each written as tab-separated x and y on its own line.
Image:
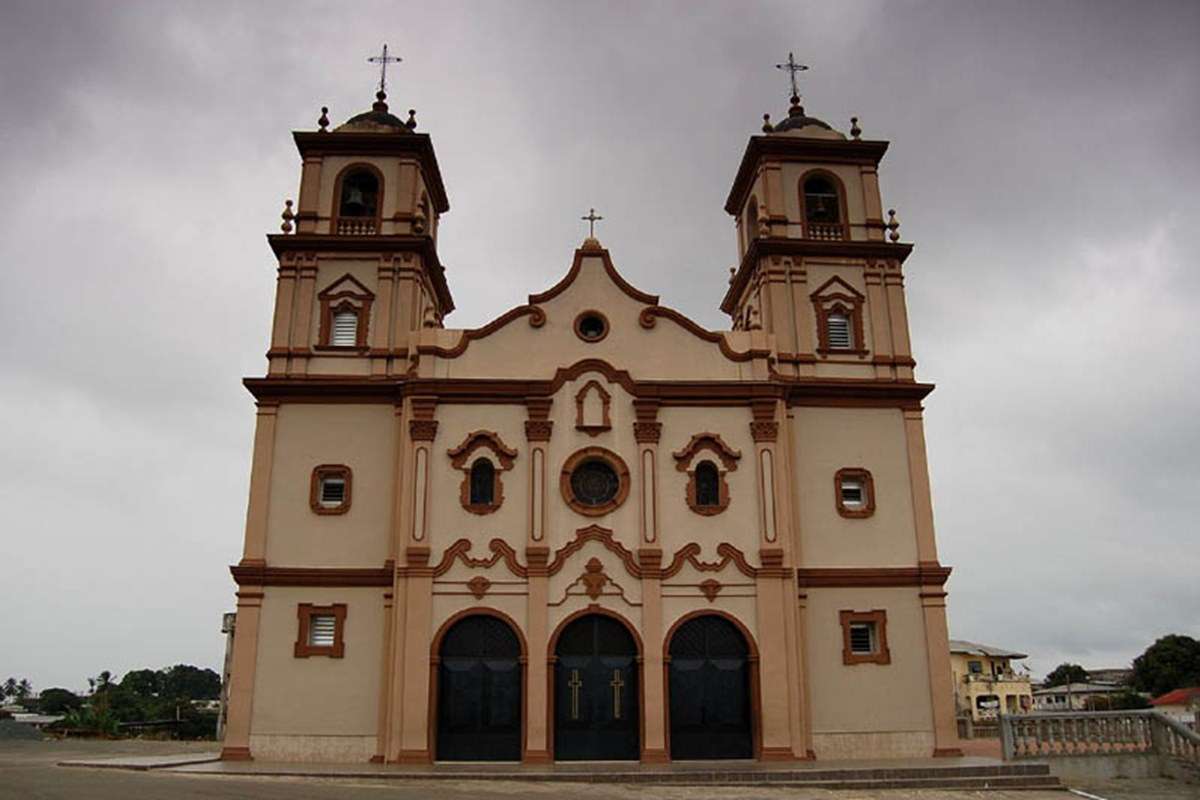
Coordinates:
329	143
282	243
800	248
482	391
795	148
263	575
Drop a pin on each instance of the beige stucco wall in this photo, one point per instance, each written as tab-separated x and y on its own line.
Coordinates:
318	708
359	436
828	439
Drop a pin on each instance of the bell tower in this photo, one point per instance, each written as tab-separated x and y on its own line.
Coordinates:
359	273
818	266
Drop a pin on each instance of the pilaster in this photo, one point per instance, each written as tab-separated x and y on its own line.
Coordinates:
242	675
538	430
881	325
941	679
893	281
381	325
281	326
302	333
258	507
654	728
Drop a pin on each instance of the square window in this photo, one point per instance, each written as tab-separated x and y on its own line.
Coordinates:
975	667
329	490
854	492
862	638
321	630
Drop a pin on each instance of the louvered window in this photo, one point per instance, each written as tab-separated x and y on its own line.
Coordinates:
853	494
862	638
345	329
837	331
333	492
322	629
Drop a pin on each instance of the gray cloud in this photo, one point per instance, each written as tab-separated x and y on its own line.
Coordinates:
1042	160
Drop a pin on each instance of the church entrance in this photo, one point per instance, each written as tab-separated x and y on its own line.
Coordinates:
596	692
709	690
479	692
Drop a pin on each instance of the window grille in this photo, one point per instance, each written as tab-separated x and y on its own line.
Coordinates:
853	495
837	331
345	329
321	630
862	638
333	492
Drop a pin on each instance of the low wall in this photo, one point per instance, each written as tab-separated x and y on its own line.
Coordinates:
1085	769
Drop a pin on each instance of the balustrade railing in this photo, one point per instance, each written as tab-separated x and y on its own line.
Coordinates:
1096	733
356	226
825	230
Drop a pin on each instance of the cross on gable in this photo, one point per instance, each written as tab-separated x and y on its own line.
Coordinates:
792	68
591	219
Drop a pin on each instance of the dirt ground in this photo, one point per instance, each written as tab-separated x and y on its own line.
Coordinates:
28	771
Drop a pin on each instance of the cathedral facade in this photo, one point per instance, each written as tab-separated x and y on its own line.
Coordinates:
590	529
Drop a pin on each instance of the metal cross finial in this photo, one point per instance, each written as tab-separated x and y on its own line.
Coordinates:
383	60
591	220
792	67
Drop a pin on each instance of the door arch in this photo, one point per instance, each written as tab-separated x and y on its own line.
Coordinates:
712	684
595	689
479	668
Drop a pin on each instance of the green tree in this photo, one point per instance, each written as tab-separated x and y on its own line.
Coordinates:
193	683
1066	673
143	682
1172	662
9	688
58	701
24	689
101	682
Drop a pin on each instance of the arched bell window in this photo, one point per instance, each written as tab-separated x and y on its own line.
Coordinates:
822	208
483	483
358	192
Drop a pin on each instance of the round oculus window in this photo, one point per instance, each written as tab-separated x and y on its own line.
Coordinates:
595	483
591	326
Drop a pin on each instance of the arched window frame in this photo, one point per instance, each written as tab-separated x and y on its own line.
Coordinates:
360	225
712	448
344	294
839	231
488	445
835	295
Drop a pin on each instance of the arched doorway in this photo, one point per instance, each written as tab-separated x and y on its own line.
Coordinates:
479	691
709	690
596	691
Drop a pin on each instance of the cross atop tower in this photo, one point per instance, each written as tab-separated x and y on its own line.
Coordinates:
792	67
383	60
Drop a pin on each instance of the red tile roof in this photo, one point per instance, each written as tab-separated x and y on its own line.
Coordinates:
1178	697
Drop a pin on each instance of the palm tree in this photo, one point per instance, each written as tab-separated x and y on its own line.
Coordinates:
9	689
24	689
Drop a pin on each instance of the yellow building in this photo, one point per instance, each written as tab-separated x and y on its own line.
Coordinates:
985	683
591	528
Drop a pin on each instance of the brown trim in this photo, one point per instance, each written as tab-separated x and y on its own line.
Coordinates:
690	554
591	313
839	187
319	474
614	276
868	484
754	688
800	249
501	551
605	403
305	612
588	454
537	318
947	752
435	659
357	300
594	533
417	145
649	318
552	659
460	458
336	212
257	574
236	754
793	148
714	442
835	295
691	492
881	655
930	574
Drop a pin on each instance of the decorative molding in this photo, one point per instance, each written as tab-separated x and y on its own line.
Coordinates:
422	430
881	654
594	533
649	318
594	578
579	321
605	423
321	472
305	612
647	432
614	461
764	431
479	586
925	574
712	441
685	462
835	295
539	427
690	554
461	459
537	318
501	551
710	589
868	484
259	574
573	273
355	298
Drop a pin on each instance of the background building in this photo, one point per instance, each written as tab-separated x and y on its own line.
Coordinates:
985	682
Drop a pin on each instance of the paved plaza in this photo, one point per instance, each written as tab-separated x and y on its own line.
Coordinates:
29	771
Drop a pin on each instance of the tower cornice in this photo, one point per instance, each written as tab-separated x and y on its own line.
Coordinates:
775	245
797	148
419	145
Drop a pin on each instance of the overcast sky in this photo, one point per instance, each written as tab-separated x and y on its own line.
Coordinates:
1043	160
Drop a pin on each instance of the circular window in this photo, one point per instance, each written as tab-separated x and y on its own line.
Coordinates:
591	326
595	481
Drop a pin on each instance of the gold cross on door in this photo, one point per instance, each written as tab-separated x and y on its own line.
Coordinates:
575	684
617	684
